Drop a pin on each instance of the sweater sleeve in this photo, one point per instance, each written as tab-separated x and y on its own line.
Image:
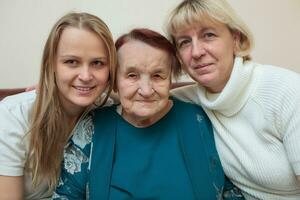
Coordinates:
290	125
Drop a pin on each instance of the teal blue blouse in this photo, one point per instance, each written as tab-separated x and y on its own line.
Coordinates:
148	163
175	158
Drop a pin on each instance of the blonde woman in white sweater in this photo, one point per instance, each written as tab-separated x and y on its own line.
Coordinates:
254	108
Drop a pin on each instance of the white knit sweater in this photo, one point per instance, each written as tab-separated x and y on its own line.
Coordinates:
256	121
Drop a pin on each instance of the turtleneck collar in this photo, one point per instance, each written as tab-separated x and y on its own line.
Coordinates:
235	93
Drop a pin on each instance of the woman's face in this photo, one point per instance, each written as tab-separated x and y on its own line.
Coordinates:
207	51
143	80
81	70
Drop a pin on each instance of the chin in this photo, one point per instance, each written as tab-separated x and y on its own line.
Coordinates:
144	115
205	80
83	103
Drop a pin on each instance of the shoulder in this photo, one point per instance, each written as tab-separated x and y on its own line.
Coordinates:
106	108
17	106
185	89
23	100
103	113
14	117
275	74
277	82
190	113
187	93
277	94
186	106
15	110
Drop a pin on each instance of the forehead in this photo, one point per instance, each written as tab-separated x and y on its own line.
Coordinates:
205	24
80	39
140	55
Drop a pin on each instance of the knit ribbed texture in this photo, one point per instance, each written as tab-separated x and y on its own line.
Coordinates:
257	128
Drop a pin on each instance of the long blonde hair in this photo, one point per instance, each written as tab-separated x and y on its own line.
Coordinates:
191	12
49	131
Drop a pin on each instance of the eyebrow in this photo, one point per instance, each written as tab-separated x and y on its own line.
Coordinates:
200	30
130	68
160	69
77	57
133	68
181	37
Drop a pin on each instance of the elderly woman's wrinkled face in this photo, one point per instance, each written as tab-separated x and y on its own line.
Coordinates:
143	80
207	51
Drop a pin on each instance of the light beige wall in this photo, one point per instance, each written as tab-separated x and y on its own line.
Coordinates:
276	28
25	25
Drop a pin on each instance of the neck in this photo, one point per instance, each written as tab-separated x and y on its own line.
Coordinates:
72	116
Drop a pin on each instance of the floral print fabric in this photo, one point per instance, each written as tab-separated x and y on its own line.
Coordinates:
75	166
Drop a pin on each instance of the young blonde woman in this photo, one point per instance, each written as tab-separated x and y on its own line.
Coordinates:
254	108
77	71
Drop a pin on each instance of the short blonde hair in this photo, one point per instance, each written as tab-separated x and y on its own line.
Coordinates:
191	12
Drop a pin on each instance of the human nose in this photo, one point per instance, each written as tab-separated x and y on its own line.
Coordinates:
85	74
145	87
198	49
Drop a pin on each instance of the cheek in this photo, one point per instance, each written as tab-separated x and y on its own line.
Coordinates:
226	50
227	57
126	91
185	56
60	80
126	86
102	76
163	89
125	101
64	75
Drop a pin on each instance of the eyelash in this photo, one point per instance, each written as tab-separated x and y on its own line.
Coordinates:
71	62
99	63
182	43
131	75
157	76
209	35
134	76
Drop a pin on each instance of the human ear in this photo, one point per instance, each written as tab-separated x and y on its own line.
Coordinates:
236	35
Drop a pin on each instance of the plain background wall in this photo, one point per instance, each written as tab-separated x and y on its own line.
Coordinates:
25	24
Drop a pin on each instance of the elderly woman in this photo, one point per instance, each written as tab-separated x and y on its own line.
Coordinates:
254	108
150	146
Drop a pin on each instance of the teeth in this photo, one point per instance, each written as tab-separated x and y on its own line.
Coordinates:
83	88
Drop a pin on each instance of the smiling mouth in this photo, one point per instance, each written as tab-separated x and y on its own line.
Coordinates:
145	101
84	89
199	66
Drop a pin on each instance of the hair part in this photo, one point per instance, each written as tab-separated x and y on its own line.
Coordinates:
153	39
49	132
189	13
